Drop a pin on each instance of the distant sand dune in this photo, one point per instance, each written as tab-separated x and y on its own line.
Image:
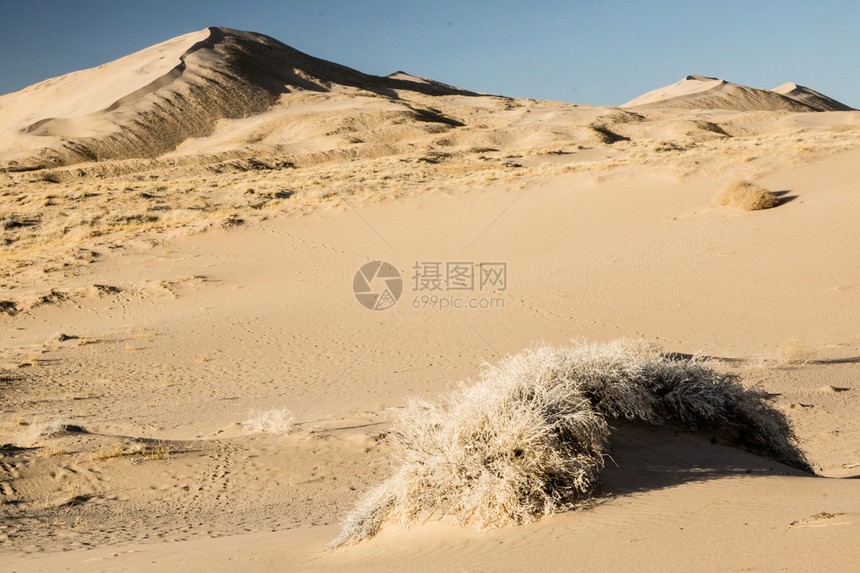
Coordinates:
810	97
702	92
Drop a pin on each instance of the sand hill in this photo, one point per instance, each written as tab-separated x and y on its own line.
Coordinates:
810	97
147	103
189	381
702	92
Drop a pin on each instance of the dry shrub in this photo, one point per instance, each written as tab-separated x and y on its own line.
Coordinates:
746	196
794	352
149	451
529	438
269	422
49	429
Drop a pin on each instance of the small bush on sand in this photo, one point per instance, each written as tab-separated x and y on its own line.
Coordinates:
47	429
149	451
746	196
269	422
529	438
794	352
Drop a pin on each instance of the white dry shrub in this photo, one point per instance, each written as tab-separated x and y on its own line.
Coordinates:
42	430
529	438
269	422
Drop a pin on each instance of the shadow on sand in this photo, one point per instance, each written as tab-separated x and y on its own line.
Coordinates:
646	458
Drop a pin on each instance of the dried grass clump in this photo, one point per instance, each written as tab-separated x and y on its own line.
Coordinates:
49	429
794	352
146	451
269	422
529	438
746	196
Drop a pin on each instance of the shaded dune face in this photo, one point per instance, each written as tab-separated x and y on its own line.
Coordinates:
229	74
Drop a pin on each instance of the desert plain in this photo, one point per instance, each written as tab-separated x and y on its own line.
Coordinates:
189	381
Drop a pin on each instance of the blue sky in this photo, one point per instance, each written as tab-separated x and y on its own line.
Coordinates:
582	51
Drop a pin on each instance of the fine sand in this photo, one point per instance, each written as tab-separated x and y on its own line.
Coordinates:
188	382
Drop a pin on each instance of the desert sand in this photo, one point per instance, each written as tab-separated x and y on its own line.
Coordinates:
188	381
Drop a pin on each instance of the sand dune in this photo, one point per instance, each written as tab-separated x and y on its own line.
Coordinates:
811	97
689	86
145	104
188	381
150	102
702	92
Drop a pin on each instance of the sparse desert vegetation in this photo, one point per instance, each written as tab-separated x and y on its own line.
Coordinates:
147	451
746	196
530	437
49	429
794	352
274	421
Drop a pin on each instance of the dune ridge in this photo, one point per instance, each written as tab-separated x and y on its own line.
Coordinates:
163	99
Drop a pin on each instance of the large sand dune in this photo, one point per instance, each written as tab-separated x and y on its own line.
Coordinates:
181	231
147	103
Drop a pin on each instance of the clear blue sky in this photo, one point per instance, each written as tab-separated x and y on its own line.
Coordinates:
582	51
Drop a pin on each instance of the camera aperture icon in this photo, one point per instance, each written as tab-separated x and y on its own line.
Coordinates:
377	285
